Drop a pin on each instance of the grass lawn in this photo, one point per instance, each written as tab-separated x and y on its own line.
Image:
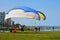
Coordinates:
30	36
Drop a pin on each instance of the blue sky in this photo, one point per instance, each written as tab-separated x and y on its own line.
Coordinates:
51	8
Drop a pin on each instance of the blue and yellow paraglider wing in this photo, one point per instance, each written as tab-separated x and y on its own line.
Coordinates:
41	15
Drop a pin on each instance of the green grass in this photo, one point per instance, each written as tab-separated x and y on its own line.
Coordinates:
30	36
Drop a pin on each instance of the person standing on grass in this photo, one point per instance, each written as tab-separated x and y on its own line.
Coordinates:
36	29
39	29
22	27
53	28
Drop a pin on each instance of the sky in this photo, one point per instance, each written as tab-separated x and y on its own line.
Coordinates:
51	8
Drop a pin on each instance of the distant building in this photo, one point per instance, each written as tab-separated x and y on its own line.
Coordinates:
2	16
8	21
12	23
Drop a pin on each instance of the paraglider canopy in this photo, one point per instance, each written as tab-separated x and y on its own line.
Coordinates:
24	12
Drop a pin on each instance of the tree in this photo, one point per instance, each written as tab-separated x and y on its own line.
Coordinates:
17	25
6	24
